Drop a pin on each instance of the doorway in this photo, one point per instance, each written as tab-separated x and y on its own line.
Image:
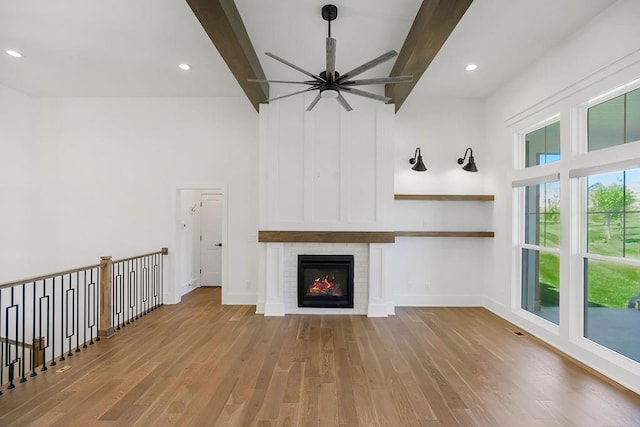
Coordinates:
211	239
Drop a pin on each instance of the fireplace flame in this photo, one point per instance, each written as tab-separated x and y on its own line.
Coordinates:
324	285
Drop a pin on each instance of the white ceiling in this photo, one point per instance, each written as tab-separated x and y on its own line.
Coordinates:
132	47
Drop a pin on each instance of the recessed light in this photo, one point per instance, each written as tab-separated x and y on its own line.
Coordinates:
471	67
185	67
13	53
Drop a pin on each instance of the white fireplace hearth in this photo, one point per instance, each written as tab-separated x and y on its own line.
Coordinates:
279	278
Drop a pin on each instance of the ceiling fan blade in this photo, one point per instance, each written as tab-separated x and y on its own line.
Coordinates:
314	102
367	65
343	102
291	94
283	81
366	94
388	80
295	67
331	59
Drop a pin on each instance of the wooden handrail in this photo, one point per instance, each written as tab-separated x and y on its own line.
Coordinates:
47	276
163	251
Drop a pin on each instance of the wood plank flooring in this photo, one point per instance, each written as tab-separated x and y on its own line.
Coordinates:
199	363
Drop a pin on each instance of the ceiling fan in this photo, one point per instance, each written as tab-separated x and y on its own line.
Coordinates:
329	82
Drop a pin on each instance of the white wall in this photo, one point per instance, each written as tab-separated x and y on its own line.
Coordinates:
111	172
440	271
24	219
327	169
599	57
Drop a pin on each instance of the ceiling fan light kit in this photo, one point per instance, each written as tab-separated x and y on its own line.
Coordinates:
329	83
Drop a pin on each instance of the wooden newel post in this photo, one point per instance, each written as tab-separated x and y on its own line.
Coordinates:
106	321
38	351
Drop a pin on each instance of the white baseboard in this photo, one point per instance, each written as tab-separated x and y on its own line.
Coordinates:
439	301
238	299
377	310
274	309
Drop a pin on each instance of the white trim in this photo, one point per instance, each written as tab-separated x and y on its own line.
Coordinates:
540	248
613	93
274	309
439	300
534	180
627	62
541	124
377	310
241	299
618	260
616	166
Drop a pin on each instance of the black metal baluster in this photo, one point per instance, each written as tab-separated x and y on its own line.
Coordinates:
121	294
114	295
24	338
76	309
145	289
86	311
62	319
120	298
154	284
161	279
53	323
2	346
96	312
127	292
158	257
11	361
137	300
47	336
68	299
132	291
33	334
123	279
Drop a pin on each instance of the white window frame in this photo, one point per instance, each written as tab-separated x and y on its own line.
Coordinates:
519	245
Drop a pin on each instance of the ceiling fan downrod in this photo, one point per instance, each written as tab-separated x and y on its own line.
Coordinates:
329	13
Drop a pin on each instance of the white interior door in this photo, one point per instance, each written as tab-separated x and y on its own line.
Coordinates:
211	239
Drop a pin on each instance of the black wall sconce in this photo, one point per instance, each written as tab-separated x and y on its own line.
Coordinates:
471	166
416	161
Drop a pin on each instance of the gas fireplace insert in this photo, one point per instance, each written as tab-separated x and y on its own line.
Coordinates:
325	281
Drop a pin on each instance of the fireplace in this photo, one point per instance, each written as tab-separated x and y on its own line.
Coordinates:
325	281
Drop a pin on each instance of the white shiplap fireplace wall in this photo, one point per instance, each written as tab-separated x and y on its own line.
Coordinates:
325	170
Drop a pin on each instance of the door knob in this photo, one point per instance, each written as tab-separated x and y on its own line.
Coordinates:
219	244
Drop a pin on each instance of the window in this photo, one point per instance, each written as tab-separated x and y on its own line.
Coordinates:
614	122
543	145
612	261
540	284
613	214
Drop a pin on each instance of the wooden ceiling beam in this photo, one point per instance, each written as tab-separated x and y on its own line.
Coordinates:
433	24
222	22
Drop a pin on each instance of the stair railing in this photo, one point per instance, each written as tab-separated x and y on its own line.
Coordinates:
46	319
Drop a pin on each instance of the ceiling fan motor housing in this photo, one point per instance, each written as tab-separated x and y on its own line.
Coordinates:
329	12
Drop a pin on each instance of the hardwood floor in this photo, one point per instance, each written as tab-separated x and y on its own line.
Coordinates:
200	363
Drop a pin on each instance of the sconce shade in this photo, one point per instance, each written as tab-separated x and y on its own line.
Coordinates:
471	165
417	163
